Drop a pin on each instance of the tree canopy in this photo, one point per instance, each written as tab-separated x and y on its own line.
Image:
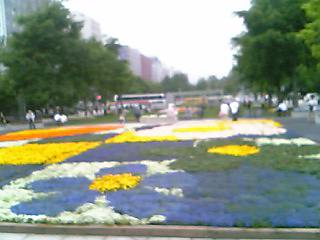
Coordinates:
270	53
49	64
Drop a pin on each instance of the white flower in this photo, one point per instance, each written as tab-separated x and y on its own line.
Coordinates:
16	143
157	219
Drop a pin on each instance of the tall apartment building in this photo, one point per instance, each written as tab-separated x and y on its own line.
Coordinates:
10	9
133	57
90	29
145	67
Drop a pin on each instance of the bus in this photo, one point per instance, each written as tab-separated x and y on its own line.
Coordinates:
151	100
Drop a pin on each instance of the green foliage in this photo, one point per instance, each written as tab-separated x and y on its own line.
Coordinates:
49	64
311	33
179	82
37	56
7	95
269	51
202	84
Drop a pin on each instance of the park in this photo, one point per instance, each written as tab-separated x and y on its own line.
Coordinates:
96	137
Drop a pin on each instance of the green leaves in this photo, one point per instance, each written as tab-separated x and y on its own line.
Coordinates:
270	52
50	64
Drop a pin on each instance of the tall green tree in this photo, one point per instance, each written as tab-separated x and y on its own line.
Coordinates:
311	33
202	84
7	95
36	57
178	82
270	51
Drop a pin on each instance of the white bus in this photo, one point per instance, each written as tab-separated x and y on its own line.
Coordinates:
152	100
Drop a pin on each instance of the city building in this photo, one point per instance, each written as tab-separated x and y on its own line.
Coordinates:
10	10
90	29
157	70
146	68
133	57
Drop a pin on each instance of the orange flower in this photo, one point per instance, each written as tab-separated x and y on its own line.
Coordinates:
56	132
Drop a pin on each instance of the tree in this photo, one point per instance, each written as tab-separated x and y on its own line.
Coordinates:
202	84
270	51
7	95
311	36
179	82
37	57
50	65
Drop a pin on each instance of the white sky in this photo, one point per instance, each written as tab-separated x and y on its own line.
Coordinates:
193	36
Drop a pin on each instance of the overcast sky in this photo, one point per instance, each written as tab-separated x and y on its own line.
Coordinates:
193	36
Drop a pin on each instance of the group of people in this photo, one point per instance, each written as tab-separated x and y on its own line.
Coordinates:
188	112
232	107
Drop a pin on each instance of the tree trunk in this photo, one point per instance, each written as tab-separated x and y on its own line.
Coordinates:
85	107
295	90
22	107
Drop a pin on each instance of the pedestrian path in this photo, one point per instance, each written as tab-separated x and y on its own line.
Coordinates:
13	236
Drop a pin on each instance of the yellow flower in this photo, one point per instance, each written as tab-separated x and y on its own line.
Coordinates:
220	126
131	137
43	153
113	183
235	150
258	121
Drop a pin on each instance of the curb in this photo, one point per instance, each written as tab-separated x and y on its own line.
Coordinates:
163	231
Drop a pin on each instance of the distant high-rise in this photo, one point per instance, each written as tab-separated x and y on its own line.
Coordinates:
90	29
10	9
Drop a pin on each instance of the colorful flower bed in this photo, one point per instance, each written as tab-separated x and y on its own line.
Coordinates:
56	132
154	179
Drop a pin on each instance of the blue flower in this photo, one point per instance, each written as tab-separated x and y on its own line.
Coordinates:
9	173
125	152
67	195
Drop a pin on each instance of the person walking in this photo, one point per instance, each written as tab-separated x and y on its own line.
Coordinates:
312	103
201	111
224	111
137	112
234	107
31	118
3	120
122	117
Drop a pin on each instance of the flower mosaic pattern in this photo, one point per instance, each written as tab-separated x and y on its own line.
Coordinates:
246	195
232	198
67	195
192	130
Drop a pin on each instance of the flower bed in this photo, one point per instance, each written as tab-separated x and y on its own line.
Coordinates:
56	132
152	179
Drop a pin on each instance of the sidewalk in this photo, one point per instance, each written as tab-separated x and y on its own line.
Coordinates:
301	127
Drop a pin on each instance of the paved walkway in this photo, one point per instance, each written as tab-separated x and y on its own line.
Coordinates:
12	236
301	127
